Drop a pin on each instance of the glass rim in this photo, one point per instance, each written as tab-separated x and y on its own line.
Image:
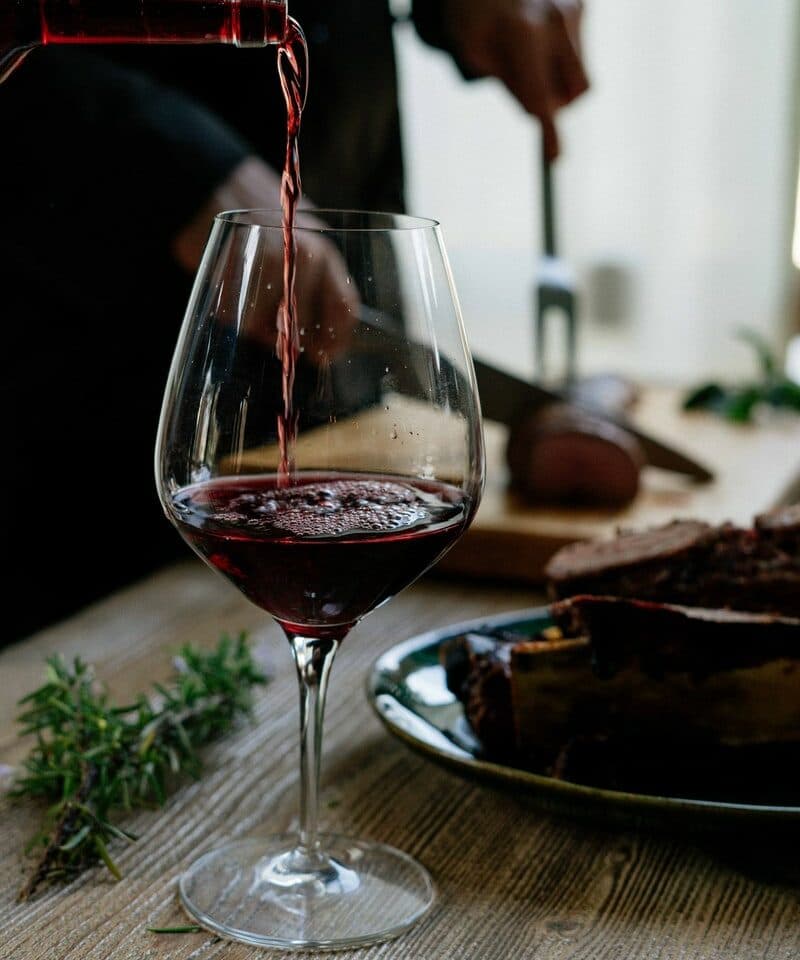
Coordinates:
332	220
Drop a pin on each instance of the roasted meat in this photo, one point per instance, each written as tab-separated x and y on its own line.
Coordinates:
691	563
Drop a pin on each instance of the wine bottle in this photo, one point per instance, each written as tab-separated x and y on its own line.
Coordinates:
27	24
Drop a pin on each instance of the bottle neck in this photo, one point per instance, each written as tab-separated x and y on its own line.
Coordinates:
259	22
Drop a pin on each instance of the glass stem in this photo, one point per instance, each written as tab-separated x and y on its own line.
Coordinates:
313	659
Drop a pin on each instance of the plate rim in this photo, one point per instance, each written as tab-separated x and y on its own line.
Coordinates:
548	787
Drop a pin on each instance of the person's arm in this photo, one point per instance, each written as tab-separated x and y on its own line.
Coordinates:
103	163
532	46
117	176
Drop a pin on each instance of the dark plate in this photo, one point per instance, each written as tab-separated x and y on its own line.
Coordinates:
407	689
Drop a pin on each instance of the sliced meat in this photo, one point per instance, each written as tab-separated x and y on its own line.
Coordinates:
564	455
691	563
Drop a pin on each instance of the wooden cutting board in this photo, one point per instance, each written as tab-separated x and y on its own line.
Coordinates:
756	467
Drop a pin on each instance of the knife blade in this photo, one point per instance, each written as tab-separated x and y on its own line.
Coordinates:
506	398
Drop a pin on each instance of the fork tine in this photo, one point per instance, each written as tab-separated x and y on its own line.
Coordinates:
555	286
555	291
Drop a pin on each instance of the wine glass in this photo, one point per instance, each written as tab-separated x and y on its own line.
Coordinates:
320	445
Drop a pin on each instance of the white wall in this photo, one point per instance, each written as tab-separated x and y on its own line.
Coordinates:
675	190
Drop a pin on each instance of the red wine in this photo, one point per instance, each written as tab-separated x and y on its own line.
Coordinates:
25	24
293	72
325	549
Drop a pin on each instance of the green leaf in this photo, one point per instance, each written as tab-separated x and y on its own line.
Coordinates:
784	393
76	838
708	396
118	832
106	858
740	405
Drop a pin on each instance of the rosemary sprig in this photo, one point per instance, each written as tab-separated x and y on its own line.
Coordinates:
92	759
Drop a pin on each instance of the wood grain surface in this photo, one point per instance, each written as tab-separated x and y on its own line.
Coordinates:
513	881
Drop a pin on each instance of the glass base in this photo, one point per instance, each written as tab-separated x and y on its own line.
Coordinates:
269	893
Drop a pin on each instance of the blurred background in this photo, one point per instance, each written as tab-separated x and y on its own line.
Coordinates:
676	191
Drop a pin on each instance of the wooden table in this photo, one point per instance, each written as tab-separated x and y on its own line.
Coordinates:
513	881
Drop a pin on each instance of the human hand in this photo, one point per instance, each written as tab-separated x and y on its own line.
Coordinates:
327	305
532	46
